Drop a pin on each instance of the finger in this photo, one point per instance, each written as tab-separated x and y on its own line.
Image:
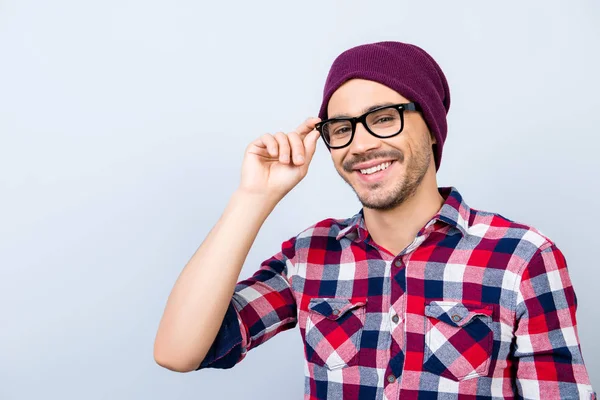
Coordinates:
310	144
307	126
268	141
297	147
284	147
271	143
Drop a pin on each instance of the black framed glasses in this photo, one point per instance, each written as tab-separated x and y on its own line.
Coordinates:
382	122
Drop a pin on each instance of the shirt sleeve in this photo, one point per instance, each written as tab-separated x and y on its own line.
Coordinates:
261	307
548	358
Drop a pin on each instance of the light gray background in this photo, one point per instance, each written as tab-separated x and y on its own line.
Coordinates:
123	125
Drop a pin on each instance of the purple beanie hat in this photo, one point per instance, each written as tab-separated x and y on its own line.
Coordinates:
403	67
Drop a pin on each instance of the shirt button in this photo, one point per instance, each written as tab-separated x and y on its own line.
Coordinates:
336	311
395	318
456	318
391	378
398	263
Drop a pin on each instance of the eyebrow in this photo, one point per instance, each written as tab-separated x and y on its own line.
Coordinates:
365	110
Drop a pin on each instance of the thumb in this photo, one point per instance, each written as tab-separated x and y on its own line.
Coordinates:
310	144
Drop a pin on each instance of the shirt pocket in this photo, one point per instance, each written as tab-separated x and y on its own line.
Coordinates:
458	339
334	329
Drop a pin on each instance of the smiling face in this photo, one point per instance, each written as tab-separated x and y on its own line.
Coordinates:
408	156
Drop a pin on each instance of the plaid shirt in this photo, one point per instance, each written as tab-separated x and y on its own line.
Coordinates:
477	307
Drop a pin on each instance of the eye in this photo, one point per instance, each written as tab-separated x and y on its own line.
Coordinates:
341	131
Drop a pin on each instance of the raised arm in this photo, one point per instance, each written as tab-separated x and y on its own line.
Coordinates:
203	291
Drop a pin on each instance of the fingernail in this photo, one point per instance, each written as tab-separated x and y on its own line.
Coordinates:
300	158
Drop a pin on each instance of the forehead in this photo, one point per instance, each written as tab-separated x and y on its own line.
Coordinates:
356	95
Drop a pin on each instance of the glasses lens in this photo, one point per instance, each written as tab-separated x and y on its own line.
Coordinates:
385	122
337	133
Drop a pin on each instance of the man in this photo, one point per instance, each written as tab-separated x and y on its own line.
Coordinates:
417	296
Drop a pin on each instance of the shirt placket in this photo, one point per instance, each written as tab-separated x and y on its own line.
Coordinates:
393	373
397	313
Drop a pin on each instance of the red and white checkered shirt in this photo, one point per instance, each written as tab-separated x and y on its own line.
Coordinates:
476	307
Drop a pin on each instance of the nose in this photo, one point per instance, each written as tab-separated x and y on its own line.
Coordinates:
363	141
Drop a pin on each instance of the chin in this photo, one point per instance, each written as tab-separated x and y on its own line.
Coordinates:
385	202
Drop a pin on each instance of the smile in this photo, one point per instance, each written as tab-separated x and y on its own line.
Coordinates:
376	168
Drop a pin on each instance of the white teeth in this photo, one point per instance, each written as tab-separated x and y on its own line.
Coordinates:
376	168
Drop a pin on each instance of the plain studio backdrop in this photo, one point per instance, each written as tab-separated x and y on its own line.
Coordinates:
123	126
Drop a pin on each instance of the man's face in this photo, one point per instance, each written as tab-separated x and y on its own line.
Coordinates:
409	152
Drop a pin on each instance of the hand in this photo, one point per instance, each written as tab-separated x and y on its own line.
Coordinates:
274	164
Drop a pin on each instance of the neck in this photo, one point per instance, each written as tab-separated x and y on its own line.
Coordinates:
395	229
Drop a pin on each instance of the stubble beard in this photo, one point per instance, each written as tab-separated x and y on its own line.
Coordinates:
377	197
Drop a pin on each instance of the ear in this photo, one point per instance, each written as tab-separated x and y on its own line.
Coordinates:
433	138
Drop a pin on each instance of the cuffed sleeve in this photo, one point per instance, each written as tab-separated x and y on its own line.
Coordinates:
261	307
226	350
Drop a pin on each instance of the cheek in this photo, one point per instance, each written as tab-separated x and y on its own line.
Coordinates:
408	150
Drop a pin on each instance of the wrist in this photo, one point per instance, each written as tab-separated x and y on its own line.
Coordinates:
253	200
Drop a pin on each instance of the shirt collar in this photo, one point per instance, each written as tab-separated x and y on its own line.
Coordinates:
454	212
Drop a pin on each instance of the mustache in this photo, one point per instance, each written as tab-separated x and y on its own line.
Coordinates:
348	165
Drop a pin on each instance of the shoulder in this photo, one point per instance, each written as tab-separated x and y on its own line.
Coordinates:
502	235
326	227
323	234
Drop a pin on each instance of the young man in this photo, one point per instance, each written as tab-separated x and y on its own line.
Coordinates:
417	296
